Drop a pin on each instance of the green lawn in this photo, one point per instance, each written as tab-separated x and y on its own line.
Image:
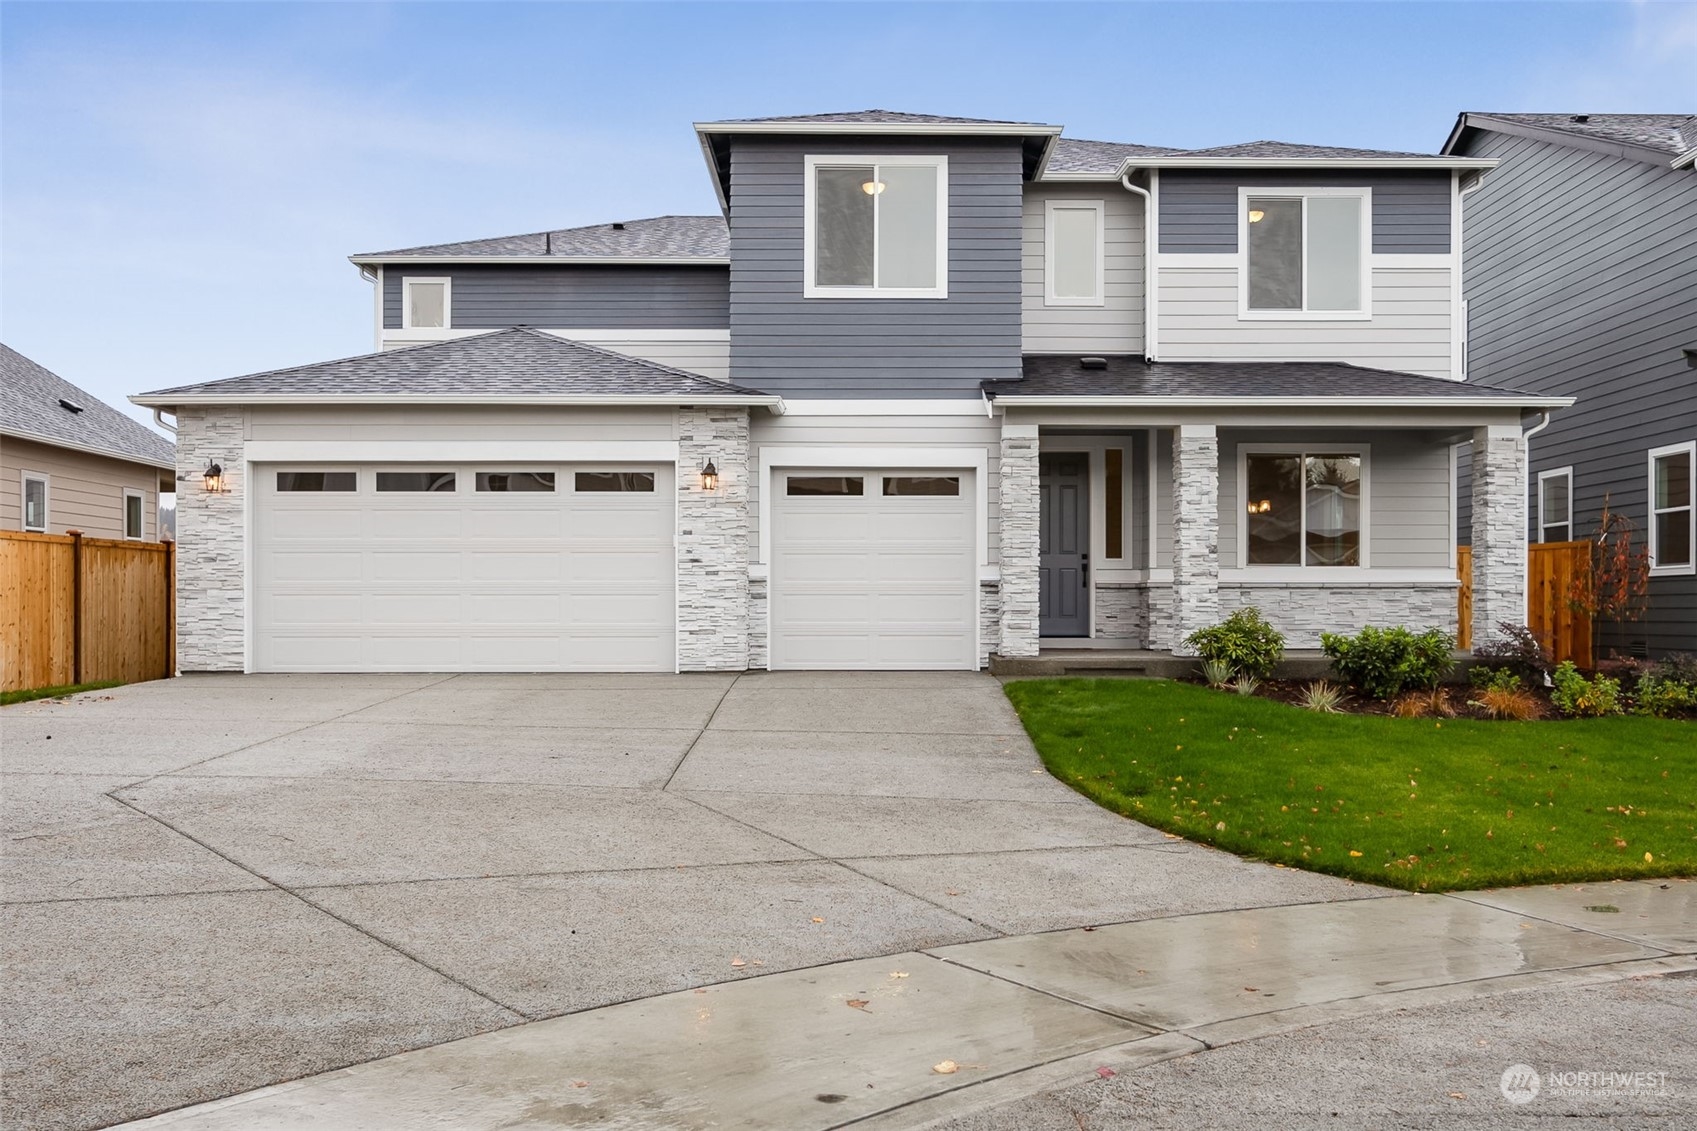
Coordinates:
1423	804
9	697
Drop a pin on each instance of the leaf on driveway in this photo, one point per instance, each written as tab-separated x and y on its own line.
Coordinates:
945	1068
898	973
738	963
580	1083
1105	1072
857	1003
817	919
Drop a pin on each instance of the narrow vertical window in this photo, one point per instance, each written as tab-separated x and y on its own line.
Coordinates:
1673	515
1555	505
1073	253
133	526
1113	499
35	502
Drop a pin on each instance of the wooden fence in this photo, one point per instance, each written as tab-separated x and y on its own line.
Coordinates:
1551	569
82	610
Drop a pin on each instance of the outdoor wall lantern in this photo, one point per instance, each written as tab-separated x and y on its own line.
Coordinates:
213	477
709	477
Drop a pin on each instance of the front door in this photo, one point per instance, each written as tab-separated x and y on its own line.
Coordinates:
1064	544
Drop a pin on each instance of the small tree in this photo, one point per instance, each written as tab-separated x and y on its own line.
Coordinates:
1617	587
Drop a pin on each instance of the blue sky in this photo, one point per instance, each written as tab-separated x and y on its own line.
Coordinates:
181	182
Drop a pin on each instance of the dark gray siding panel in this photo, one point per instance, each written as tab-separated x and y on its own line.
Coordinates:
1581	279
491	296
874	348
1411	211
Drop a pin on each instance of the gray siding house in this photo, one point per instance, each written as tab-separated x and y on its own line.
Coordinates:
925	390
1581	280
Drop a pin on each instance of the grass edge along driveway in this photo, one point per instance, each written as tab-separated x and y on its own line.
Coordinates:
1421	804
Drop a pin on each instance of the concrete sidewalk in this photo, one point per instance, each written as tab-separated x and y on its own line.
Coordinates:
955	1034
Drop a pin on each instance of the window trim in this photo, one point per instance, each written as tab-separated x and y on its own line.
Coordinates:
1246	313
46	481
810	166
1100	208
447	302
1543	519
1303	449
1688	448
141	515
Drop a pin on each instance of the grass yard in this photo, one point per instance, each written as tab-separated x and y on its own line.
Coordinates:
1423	804
7	698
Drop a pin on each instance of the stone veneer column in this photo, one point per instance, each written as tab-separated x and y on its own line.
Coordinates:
713	549
1196	532
1019	543
1499	529
211	536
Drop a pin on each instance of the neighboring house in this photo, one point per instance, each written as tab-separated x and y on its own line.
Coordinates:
71	462
930	389
1581	281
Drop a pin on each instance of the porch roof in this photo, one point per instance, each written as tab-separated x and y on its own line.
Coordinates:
1126	379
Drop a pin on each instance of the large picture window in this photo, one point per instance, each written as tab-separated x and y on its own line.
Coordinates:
1673	515
1305	252
877	227
1303	509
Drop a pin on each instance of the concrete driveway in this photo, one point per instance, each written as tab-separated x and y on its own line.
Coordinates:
219	882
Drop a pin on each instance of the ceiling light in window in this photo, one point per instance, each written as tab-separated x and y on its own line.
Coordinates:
1261	506
1256	215
872	188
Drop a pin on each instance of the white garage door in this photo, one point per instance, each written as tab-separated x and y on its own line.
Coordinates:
454	567
873	569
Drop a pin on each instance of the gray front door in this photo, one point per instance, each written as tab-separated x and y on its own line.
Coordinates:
1063	482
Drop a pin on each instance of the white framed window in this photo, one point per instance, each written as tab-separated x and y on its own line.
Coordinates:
134	526
1673	515
876	227
426	302
1074	253
33	497
1303	253
1302	507
1555	505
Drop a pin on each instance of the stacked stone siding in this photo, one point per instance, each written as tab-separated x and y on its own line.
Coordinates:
1019	510
759	643
1196	531
713	540
1303	612
211	529
1122	613
1499	529
989	620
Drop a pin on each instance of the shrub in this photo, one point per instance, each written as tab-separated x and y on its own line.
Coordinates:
1411	705
1507	703
1324	696
1494	679
1678	666
1381	662
1665	698
1515	648
1245	685
1216	673
1244	640
1574	695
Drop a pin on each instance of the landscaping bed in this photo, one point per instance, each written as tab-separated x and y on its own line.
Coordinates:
1424	804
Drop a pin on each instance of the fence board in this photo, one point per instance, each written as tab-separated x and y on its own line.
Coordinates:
1551	569
125	595
1464	597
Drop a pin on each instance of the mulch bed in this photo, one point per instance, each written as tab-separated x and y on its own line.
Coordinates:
1449	701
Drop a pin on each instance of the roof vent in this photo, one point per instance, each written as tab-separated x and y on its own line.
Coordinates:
619	227
1582	118
1093	363
69	406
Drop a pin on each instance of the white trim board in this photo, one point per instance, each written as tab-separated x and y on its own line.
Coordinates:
464	451
972	457
561	260
957	407
596	335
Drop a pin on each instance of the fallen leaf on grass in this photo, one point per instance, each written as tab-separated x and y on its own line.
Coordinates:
945	1068
1352	852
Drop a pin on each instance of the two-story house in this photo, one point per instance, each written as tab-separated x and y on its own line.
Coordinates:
926	390
1582	280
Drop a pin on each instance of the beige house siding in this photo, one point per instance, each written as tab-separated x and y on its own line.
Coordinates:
84	491
1117	325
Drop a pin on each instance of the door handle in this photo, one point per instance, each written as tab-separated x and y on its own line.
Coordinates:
1085	559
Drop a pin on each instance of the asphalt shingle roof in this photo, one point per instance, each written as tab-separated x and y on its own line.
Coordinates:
1078	155
1672	134
29	407
1128	376
518	362
1261	150
658	237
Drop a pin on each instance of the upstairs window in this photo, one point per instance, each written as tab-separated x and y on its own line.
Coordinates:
1073	255
877	227
1673	509
424	303
35	502
133	527
1305	252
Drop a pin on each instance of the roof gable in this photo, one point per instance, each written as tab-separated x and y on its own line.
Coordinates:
32	406
1654	138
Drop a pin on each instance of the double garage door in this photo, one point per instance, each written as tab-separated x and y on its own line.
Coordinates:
562	567
457	567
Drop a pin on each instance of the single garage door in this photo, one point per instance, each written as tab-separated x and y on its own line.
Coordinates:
873	569
453	567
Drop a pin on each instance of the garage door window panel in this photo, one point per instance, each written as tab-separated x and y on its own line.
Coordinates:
514	481
842	485
416	482
600	482
326	481
922	485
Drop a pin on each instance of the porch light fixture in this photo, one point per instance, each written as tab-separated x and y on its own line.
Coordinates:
872	188
709	477
1256	215
213	477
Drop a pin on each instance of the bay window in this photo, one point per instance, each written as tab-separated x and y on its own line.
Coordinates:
876	227
1303	508
1304	252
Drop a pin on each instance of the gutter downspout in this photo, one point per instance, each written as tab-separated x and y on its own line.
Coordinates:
375	278
1150	279
159	419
